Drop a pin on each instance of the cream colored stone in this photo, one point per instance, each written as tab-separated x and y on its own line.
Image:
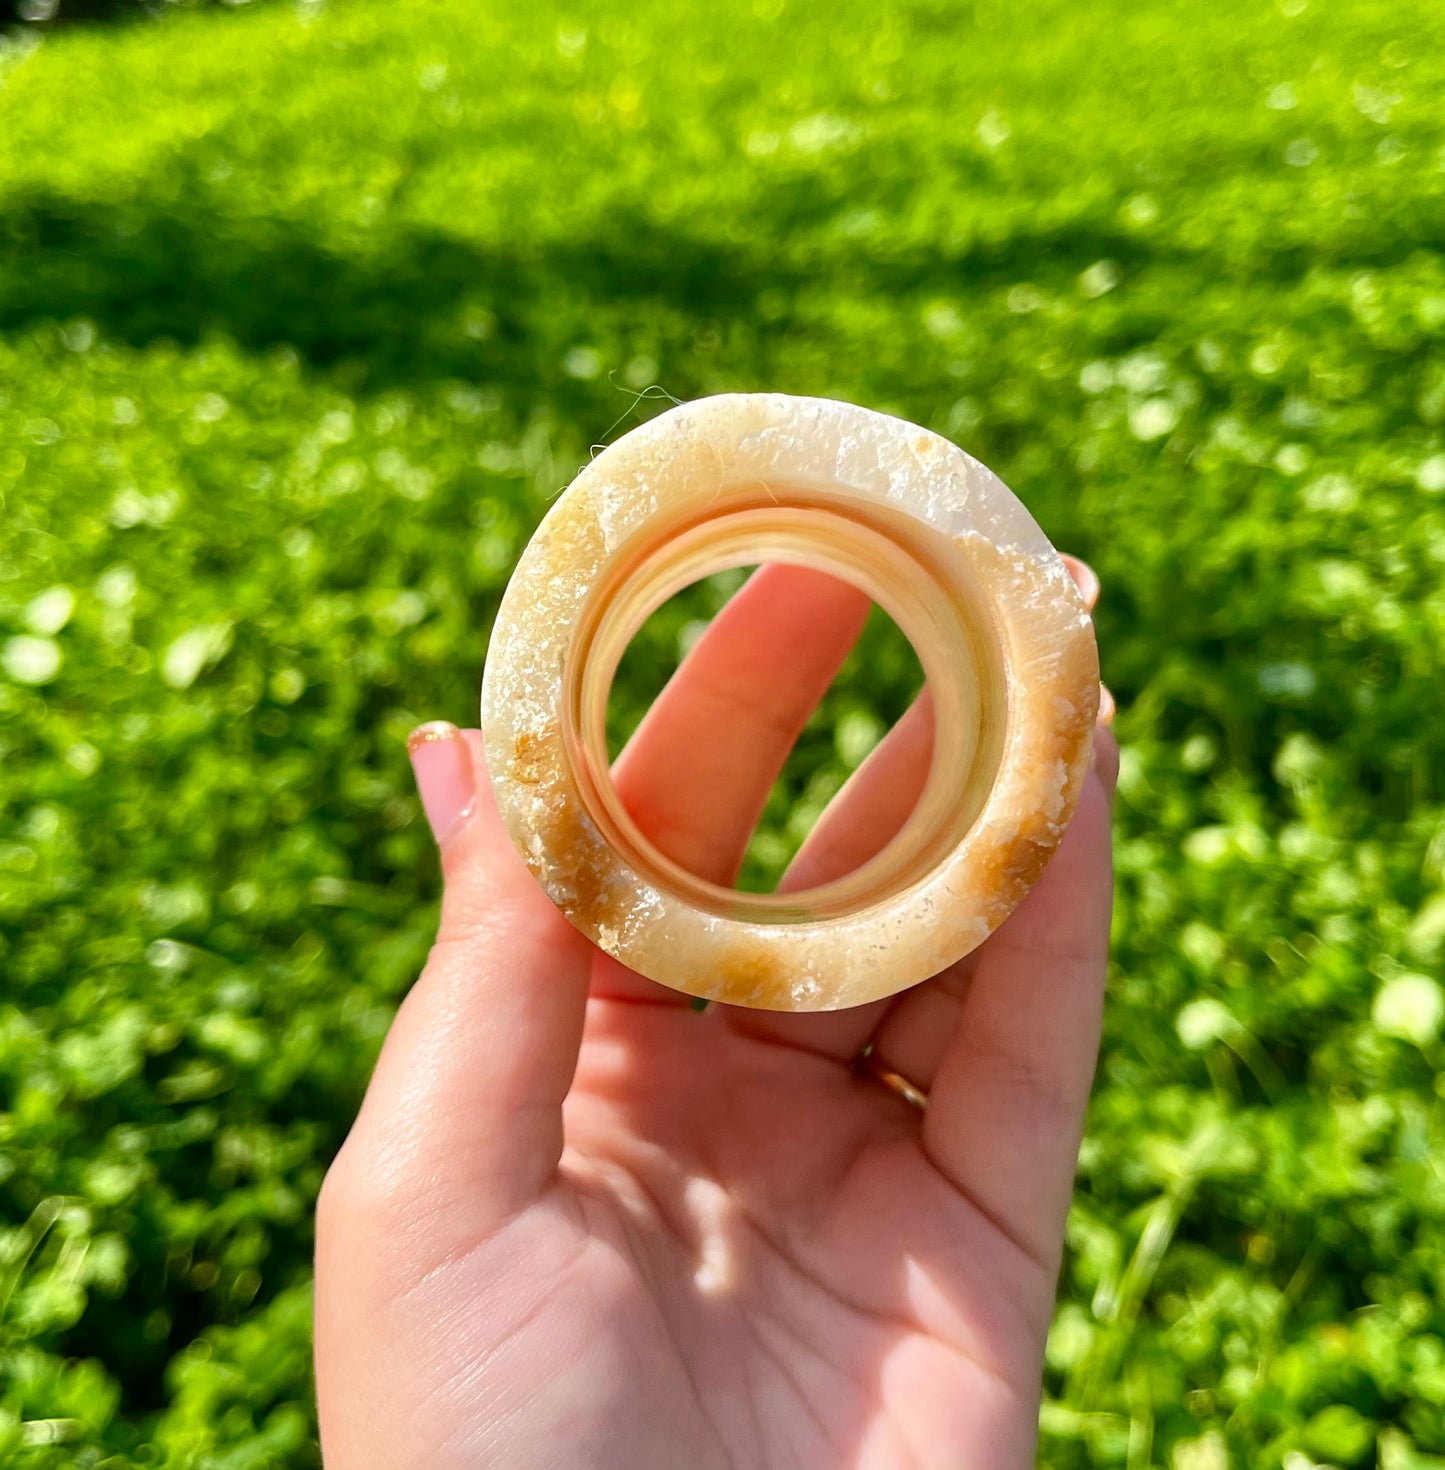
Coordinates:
1005	641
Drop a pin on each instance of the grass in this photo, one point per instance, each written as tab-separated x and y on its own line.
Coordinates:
305	314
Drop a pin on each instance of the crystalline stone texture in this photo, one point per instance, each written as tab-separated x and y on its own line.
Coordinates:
939	540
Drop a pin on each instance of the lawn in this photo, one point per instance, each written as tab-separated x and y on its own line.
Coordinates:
306	313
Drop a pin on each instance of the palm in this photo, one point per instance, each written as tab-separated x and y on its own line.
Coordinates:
828	1299
726	1247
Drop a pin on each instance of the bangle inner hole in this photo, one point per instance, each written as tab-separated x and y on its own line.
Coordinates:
877	679
924	585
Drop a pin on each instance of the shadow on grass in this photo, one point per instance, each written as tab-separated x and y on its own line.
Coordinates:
418	306
421	306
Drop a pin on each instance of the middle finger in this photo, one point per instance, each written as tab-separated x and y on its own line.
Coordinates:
697	773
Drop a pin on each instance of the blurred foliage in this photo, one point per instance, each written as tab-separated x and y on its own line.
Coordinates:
306	313
45	15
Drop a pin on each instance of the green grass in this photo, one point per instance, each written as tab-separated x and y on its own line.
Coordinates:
305	316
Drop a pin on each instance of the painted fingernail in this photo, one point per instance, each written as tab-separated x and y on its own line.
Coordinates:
443	766
1107	708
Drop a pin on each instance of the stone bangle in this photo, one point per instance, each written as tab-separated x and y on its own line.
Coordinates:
938	541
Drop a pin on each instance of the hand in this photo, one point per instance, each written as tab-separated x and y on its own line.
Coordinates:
580	1224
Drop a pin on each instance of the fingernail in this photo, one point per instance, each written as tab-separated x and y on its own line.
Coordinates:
443	766
1107	708
1086	579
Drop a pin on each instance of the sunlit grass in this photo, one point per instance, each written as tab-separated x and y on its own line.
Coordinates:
305	315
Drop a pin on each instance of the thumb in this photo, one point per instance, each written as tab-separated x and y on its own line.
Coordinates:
462	1122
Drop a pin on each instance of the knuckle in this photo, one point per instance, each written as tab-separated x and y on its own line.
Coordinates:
338	1192
357	1194
383	1193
